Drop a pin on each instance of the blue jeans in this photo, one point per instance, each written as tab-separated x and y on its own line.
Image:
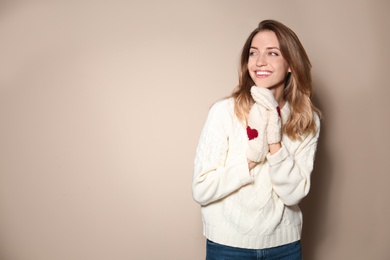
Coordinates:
216	251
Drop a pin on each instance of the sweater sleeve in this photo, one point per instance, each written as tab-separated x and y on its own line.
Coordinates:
214	175
290	173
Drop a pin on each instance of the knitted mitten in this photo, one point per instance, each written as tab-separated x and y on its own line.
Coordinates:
266	99
256	131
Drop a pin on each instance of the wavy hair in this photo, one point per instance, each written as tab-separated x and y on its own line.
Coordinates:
298	89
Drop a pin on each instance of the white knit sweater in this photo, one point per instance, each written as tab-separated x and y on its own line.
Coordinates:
250	209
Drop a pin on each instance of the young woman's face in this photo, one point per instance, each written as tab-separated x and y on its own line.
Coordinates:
266	65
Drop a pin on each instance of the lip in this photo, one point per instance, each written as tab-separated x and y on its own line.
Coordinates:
262	73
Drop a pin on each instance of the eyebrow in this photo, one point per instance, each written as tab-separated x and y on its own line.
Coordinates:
268	48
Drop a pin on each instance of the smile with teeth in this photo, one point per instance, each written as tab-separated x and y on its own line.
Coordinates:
263	73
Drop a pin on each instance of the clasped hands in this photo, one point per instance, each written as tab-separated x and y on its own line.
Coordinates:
264	125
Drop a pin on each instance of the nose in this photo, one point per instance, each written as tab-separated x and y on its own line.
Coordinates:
261	60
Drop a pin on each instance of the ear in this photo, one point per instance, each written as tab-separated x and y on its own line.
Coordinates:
289	70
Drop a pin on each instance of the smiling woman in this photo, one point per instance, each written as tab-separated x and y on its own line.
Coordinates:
256	151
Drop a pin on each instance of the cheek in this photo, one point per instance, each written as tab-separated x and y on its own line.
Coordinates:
251	63
252	76
286	66
248	68
283	67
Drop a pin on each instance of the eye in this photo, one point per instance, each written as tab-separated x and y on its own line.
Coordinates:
272	53
252	53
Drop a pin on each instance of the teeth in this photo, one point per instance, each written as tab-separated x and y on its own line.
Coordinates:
263	73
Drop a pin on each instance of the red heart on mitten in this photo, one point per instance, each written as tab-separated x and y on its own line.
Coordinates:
252	133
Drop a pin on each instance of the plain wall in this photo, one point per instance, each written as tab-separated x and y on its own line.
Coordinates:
102	104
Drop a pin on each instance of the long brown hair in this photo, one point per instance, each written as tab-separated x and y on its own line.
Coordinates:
298	85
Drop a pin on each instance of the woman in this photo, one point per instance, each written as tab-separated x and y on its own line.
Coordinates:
256	152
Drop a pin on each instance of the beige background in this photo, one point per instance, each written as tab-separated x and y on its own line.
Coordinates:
102	104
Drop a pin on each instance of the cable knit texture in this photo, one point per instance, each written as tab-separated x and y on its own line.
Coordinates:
249	209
